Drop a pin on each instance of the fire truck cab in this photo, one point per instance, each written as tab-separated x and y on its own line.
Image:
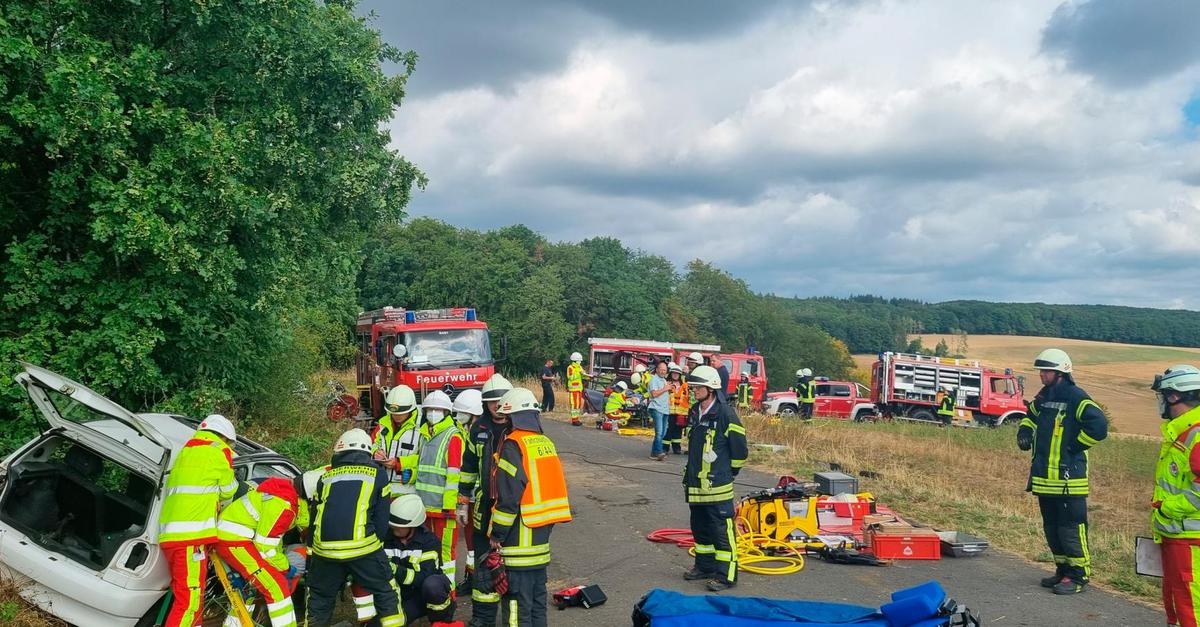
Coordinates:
428	349
751	365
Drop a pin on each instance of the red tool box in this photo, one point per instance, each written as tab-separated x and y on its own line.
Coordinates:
907	544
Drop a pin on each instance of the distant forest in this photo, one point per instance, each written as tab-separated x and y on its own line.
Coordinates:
869	324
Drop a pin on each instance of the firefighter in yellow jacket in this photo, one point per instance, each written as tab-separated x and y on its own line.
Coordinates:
200	478
530	497
250	539
575	377
438	475
397	440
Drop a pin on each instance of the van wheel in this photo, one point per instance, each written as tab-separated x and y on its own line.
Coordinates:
788	410
923	414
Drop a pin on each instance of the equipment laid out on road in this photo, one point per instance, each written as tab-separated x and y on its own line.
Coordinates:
586	597
427	349
906	387
926	605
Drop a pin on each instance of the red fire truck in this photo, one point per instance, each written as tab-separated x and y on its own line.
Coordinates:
617	357
428	349
906	386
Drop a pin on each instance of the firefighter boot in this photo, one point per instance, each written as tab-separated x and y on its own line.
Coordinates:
695	574
1060	571
1067	585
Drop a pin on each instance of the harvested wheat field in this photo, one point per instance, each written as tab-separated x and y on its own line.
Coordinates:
1116	375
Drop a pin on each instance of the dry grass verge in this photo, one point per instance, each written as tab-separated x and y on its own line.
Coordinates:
973	480
17	612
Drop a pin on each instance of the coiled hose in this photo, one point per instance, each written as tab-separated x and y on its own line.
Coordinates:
756	553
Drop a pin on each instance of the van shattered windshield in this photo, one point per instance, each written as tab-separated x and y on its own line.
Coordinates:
449	348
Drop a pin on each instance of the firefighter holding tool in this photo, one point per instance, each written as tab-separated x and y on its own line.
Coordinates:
200	478
1175	515
249	539
530	493
396	442
1062	424
716	453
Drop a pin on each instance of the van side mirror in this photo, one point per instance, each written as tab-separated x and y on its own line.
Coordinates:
399	351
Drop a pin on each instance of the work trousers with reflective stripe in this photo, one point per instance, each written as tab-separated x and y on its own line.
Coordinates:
712	528
468	534
1064	520
189	567
575	400
674	437
373	572
525	603
433	602
272	584
1180	590
447	530
484	605
806	410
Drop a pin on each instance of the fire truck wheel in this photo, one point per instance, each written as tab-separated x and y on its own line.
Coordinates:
923	414
788	410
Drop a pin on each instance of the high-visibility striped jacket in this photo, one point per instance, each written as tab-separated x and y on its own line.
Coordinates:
352	508
615	402
200	478
744	391
1177	479
261	517
401	442
414	561
1064	423
680	401
945	404
716	452
574	377
530	497
439	467
474	480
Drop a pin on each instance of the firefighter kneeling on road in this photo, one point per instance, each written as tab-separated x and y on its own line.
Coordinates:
250	536
415	554
716	452
615	411
530	497
1063	423
350	525
1175	515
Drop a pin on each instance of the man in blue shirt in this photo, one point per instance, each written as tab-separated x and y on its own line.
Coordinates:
659	394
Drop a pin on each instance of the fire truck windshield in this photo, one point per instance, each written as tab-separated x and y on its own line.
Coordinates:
448	348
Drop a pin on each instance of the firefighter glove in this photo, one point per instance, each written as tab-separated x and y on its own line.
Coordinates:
1024	439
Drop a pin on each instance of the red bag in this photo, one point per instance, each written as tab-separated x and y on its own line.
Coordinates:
680	420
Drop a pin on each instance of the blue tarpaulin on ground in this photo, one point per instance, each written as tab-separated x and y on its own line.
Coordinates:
913	607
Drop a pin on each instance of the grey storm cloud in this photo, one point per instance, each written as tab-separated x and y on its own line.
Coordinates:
1125	42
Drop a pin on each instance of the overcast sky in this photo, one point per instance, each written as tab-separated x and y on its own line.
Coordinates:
935	149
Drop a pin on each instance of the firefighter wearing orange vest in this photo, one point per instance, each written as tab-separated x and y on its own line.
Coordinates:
250	537
200	478
575	377
681	402
530	497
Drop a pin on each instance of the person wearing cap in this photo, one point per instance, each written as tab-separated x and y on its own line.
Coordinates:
349	527
575	378
201	476
717	451
481	444
680	403
250	540
529	493
415	554
1063	423
438	473
396	441
1174	514
468	408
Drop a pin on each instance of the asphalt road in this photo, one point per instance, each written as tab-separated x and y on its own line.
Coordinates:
614	509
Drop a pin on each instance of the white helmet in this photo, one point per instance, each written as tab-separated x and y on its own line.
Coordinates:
800	372
635	378
705	376
1053	359
808	372
1181	378
353	440
674	367
219	425
639	368
401	400
621	386
495	387
696	357
468	403
517	399
576	357
310	480
437	406
406	511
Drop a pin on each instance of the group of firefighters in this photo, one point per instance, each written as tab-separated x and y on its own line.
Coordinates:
383	515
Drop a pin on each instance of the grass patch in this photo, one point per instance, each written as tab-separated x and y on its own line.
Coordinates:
973	480
17	612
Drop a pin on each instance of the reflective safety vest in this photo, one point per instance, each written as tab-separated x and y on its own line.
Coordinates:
261	517
1176	485
744	394
346	524
946	404
402	443
437	480
543	500
614	403
809	389
716	451
680	403
574	377
200	478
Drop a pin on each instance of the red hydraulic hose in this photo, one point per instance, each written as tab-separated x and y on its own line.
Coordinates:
679	537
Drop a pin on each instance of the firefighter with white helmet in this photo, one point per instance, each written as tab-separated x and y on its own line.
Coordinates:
397	439
1175	518
480	444
575	378
680	403
616	406
200	478
639	380
415	554
438	470
530	497
350	525
805	391
468	406
1062	424
716	453
694	359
